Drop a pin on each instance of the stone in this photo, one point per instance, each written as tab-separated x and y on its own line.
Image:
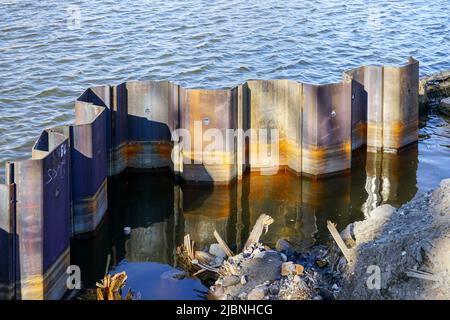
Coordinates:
299	269
287	268
257	293
230	281
284	246
348	236
321	263
243	280
274	288
260	255
242	296
218	260
216	250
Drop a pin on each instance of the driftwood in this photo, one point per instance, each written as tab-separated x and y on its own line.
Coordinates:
263	223
222	244
207	266
110	288
337	238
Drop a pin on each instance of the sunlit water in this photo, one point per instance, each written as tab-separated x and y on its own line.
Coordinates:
48	57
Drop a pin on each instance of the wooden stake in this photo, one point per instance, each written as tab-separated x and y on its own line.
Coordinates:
222	244
337	238
263	222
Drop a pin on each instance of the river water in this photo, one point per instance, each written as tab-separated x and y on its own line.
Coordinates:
50	51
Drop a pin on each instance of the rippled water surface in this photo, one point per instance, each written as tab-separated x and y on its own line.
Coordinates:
48	57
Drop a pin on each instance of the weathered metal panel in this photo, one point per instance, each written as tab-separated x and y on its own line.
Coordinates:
43	217
119	130
201	110
148	110
268	101
152	115
400	106
359	105
326	145
89	167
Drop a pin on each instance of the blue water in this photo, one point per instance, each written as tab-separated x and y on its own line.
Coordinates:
48	56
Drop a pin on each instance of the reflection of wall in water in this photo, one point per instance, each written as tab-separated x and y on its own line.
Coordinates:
205	209
391	178
153	243
146	204
280	196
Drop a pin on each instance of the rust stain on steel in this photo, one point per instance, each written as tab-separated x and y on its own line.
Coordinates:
43	215
392	105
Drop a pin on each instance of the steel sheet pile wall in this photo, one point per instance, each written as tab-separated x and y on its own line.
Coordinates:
207	114
392	105
326	145
152	115
89	166
42	218
308	129
274	104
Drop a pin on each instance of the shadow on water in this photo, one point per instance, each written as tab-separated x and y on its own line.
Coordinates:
160	211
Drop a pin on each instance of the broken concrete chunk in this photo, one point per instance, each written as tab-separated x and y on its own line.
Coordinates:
284	246
288	268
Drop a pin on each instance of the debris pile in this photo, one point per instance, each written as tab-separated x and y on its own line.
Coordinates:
259	272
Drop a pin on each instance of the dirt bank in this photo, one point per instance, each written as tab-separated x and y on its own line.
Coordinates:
400	253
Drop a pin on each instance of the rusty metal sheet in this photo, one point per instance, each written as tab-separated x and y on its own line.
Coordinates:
326	144
201	110
119	116
152	107
43	216
400	106
89	166
275	104
359	105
